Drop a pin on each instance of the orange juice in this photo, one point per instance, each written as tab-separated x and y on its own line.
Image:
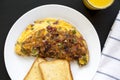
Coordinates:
97	4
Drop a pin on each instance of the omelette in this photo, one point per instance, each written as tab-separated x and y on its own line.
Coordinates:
53	38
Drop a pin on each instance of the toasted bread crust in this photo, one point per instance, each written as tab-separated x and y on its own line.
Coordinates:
36	60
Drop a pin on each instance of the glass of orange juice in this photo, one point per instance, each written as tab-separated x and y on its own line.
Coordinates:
97	4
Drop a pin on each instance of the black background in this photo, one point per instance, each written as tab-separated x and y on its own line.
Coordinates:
11	10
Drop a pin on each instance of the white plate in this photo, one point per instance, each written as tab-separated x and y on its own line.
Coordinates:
17	66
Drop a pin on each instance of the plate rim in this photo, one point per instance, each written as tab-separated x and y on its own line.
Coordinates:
58	5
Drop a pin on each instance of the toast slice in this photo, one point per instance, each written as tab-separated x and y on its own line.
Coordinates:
56	70
34	72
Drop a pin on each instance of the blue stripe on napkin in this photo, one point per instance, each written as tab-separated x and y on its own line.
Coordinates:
118	19
110	57
114	38
106	74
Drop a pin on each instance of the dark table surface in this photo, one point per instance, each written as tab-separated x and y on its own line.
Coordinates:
11	10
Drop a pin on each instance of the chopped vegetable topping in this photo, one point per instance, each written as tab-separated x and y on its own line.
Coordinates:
56	43
74	31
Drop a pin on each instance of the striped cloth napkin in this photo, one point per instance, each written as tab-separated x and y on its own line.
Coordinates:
109	68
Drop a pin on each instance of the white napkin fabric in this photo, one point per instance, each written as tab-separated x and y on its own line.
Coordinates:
109	68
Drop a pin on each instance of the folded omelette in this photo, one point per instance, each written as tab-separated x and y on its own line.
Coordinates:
53	38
